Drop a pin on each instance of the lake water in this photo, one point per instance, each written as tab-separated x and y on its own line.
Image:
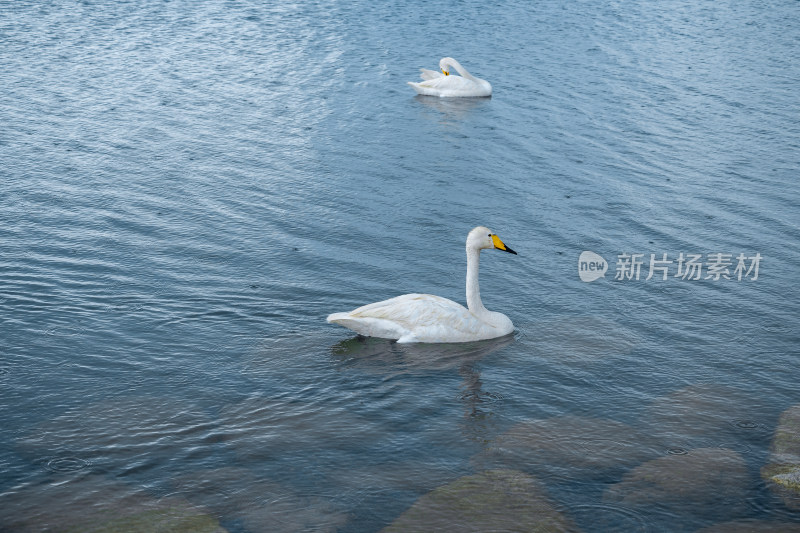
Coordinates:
189	188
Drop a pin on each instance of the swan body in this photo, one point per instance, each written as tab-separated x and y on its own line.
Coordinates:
446	85
429	318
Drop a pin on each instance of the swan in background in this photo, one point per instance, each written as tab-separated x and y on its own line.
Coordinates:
443	84
428	318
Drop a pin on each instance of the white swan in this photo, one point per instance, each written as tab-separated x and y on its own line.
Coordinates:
428	318
443	84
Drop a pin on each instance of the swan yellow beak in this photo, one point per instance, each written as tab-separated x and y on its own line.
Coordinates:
446	73
500	246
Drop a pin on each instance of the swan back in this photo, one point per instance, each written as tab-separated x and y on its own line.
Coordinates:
418	318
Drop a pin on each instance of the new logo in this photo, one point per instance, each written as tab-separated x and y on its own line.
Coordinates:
591	266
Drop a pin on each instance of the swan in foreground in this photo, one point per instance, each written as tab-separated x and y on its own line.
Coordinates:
428	318
443	84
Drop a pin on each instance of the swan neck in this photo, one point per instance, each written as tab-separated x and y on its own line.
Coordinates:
461	70
473	290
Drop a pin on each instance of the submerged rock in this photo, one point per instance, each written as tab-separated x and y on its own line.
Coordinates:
120	433
261	505
752	526
494	500
262	428
707	415
96	504
570	446
578	339
706	482
782	473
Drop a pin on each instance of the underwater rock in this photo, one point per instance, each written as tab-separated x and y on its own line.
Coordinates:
782	472
120	433
261	505
494	500
577	339
96	504
568	447
707	415
261	428
393	475
707	482
752	526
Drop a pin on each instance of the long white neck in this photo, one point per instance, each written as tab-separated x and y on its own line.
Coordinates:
461	70
473	290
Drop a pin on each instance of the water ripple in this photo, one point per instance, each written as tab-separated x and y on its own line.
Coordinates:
66	464
605	517
188	189
677	450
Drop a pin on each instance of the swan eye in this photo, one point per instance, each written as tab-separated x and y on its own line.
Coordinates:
489	235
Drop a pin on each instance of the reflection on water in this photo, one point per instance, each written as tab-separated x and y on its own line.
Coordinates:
373	354
456	109
391	359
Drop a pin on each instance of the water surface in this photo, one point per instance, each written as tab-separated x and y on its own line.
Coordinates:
189	188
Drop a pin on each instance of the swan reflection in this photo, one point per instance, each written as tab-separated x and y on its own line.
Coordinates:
376	355
452	108
387	357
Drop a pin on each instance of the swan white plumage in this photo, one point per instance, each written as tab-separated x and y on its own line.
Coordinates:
429	318
443	84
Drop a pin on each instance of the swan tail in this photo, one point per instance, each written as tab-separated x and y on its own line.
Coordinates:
423	88
369	326
414	85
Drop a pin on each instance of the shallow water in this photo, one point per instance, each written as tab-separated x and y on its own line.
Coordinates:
188	189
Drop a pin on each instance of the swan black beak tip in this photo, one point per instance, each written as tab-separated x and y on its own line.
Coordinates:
509	250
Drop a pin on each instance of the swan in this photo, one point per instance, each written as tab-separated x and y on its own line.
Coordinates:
443	84
429	318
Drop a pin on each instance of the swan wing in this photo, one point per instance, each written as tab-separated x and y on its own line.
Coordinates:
451	86
414	310
426	74
368	326
452	83
413	318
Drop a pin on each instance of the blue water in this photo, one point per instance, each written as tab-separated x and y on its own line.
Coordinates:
187	189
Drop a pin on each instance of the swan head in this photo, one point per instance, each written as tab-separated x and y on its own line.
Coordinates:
445	63
482	238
